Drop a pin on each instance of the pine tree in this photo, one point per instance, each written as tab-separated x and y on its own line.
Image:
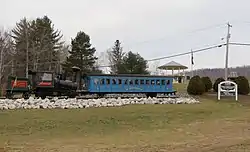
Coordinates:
81	54
48	43
115	57
133	64
22	39
42	42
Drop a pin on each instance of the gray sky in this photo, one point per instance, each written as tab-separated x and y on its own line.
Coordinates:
165	26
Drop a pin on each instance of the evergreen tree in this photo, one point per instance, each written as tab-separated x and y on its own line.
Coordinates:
196	86
208	83
22	39
81	54
115	57
133	64
243	85
47	42
216	83
42	42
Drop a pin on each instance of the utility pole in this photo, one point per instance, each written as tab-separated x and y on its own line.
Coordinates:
227	49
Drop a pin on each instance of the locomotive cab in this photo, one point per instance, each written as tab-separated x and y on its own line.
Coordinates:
79	78
41	79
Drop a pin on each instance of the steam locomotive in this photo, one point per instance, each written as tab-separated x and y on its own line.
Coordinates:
47	84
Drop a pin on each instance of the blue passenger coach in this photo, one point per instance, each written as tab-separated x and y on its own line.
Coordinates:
124	83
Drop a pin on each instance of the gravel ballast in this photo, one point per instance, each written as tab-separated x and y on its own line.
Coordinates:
53	103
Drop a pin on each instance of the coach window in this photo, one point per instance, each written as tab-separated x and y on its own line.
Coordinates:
142	82
126	81
131	82
113	81
95	81
136	82
147	82
168	82
119	81
162	82
153	82
158	82
107	81
102	81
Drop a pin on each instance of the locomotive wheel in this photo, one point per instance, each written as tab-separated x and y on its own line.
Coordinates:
72	95
43	97
26	95
9	95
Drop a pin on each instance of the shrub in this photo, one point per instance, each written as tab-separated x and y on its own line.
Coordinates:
208	83
216	83
195	86
243	85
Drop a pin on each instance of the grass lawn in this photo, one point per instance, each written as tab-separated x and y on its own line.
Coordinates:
180	87
209	126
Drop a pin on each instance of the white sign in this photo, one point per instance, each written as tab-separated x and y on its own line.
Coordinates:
228	88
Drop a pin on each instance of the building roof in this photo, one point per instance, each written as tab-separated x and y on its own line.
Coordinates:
172	66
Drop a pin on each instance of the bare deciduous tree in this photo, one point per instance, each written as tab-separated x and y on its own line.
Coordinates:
7	54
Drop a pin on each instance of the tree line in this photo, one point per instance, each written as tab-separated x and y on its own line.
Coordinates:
36	43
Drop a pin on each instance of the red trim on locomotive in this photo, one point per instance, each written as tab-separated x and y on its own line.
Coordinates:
19	83
45	84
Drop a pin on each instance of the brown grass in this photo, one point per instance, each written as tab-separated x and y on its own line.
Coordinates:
207	127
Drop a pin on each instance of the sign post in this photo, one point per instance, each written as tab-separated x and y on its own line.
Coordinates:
228	88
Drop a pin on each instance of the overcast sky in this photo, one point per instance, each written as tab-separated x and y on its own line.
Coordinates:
153	28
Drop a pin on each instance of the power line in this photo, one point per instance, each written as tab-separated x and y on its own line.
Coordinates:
166	57
194	31
181	54
163	38
245	44
194	51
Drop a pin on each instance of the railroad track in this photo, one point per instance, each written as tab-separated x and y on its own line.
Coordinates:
122	96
